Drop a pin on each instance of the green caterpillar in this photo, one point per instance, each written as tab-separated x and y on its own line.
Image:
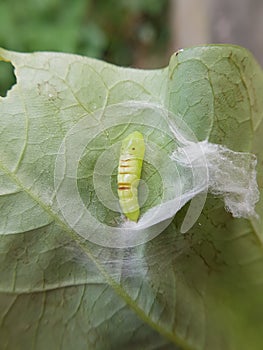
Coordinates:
129	174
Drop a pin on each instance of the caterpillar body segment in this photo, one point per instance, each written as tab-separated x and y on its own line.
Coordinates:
129	174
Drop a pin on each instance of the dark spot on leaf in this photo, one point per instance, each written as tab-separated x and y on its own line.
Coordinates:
47	90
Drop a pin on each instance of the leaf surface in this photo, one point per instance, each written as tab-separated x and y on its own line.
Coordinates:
198	290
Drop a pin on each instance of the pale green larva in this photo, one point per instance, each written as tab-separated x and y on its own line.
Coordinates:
129	174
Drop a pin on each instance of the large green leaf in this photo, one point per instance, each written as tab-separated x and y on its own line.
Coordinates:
198	290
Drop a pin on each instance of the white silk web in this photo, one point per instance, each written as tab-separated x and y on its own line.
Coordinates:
191	169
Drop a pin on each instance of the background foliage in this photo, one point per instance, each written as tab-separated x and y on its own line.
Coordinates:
126	32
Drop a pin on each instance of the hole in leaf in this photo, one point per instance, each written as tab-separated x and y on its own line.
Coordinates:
7	77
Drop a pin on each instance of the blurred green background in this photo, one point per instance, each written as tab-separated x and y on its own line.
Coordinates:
124	32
